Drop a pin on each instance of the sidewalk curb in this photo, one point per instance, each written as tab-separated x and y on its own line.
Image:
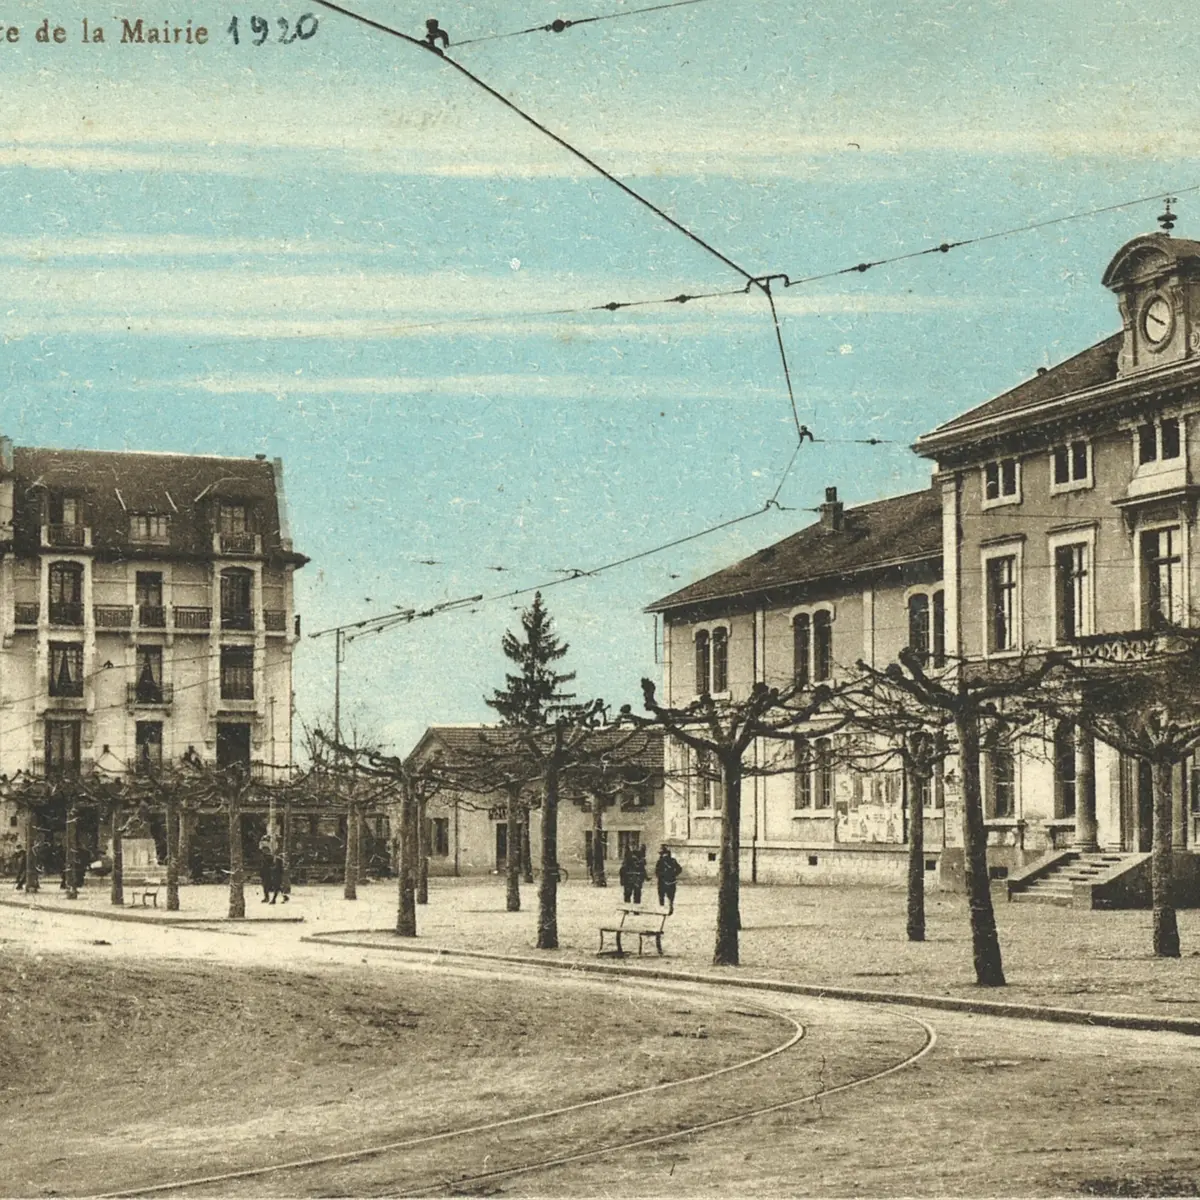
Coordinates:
987	1008
148	918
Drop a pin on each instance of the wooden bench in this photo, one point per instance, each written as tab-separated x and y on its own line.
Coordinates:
642	922
145	891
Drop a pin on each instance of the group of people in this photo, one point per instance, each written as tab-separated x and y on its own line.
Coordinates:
273	872
634	872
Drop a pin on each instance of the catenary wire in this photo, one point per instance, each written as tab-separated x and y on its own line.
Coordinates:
561	25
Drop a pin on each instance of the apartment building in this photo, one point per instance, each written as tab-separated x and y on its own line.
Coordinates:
146	608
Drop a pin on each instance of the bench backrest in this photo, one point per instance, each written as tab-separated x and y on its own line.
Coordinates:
655	918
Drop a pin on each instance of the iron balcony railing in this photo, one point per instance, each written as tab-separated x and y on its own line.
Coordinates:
237	618
112	616
237	543
143	694
25	614
192	618
66	535
152	616
65	613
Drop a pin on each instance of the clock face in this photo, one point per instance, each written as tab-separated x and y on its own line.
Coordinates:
1158	320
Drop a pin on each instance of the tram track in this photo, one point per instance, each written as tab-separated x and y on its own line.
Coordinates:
705	1103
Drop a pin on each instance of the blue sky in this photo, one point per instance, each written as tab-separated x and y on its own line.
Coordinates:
226	250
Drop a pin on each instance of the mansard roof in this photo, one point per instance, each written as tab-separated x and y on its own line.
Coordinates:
114	484
872	537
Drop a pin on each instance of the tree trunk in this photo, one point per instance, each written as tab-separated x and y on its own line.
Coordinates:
526	852
512	862
350	891
237	866
285	853
406	913
916	855
71	851
985	941
184	854
599	874
32	882
116	894
547	938
1162	893
423	852
729	919
171	806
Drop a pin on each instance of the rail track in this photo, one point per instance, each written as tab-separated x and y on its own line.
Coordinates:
560	1136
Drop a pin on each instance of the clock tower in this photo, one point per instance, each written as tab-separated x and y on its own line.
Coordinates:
1157	281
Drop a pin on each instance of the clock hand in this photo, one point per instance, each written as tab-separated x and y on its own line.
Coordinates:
1157	320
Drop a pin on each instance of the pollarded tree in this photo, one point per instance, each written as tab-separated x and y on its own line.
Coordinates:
723	731
984	702
1150	711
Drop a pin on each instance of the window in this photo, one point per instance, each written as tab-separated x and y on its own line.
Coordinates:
1064	770
149	597
814	775
802	649
233	745
628	840
439	837
237	672
1071	591
1159	441
927	626
234	518
1070	465
62	748
1162	568
66	669
931	789
706	782
712	661
149	739
149	527
1002	602
66	594
1002	779
1001	481
720	660
148	686
65	510
703	662
237	590
812	647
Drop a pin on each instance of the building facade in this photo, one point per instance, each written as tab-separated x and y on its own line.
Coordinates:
146	608
468	829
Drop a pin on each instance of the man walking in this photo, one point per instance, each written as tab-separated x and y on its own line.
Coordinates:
633	875
667	870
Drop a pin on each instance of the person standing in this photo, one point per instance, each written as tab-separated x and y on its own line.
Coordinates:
19	867
633	875
266	867
667	871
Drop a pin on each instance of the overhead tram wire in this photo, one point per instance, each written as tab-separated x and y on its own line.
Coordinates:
561	25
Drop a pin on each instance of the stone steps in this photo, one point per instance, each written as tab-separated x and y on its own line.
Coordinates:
1058	885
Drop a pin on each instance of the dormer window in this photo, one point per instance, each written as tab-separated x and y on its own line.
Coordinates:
1002	481
149	527
1159	441
65	510
234	518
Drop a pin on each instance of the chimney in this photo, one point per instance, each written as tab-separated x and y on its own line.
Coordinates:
831	510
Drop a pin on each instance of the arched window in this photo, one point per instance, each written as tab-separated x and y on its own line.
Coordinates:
720	660
822	645
703	662
927	626
801	639
812	647
237	591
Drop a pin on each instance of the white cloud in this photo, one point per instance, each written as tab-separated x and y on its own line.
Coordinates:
172	245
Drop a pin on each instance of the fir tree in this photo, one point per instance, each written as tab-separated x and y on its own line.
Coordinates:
529	697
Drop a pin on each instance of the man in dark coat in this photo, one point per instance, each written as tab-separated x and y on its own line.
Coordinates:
667	870
633	875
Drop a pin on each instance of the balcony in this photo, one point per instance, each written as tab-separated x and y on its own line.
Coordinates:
152	616
275	620
193	618
237	543
237	618
1136	646
112	616
25	614
67	537
148	695
63	612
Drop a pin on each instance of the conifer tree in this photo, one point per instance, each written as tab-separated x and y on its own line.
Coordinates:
527	699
